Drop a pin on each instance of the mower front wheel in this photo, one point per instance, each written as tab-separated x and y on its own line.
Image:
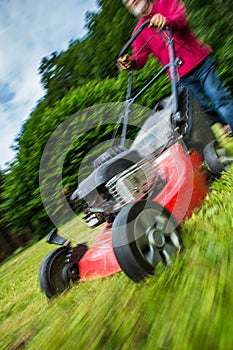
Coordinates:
55	274
144	234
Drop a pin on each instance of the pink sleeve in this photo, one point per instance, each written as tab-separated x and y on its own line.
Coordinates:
176	14
140	53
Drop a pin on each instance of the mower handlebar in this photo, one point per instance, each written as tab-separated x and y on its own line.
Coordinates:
136	34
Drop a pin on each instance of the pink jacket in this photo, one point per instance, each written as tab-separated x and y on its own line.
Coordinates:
187	46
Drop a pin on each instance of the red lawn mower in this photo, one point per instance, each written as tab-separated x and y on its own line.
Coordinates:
141	195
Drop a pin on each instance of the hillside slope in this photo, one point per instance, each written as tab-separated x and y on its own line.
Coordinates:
185	307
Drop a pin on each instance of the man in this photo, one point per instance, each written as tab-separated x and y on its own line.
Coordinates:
197	72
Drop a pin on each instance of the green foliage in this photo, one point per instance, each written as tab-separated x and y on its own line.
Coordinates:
2	216
179	308
212	21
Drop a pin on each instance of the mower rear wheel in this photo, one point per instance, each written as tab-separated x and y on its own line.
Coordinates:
144	234
216	158
55	274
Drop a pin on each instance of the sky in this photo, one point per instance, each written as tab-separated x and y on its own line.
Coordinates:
29	31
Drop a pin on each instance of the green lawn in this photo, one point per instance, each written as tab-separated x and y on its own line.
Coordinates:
188	306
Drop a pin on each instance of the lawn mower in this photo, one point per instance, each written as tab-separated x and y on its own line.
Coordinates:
140	195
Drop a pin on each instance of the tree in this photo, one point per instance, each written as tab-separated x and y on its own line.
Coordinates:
93	57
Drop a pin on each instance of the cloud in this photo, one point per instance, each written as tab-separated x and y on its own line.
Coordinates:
30	30
6	95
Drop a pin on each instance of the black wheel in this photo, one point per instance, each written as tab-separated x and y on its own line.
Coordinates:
216	158
55	274
144	234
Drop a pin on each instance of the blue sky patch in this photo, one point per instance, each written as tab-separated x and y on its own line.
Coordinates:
6	95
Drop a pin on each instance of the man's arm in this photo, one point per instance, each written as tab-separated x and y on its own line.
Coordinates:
173	14
176	17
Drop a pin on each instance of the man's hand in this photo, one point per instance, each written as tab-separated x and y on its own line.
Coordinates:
124	62
158	21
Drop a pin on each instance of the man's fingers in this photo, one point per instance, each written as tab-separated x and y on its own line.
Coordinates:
124	62
124	59
158	21
121	66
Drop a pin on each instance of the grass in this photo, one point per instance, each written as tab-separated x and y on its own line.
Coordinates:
186	307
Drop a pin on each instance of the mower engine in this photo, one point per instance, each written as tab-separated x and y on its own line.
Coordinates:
124	178
132	184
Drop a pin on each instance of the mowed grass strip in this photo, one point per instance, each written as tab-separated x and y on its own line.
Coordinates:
188	306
